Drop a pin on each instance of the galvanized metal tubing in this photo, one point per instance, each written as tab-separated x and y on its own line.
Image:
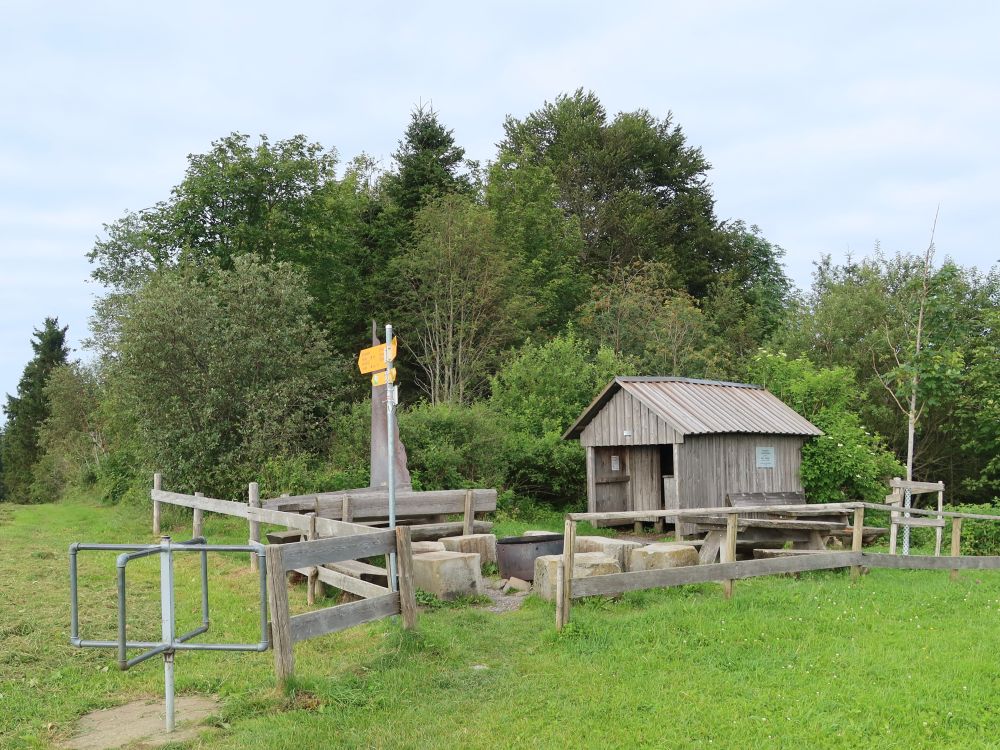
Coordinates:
170	642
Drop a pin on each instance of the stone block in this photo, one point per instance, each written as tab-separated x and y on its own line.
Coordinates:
516	584
448	575
616	548
663	555
485	545
585	565
420	548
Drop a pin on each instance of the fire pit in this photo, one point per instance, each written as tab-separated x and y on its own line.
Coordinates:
516	554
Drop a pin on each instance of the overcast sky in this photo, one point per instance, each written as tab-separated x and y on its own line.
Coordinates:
830	125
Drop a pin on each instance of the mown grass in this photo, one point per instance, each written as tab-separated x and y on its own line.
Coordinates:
898	659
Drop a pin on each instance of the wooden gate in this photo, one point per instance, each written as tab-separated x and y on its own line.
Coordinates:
287	630
611	479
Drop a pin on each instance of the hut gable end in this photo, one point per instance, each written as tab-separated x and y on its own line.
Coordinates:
626	420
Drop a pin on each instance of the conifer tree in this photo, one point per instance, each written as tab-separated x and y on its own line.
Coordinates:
28	410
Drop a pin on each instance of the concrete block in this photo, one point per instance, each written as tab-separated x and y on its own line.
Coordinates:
448	575
585	565
660	556
616	548
420	548
483	544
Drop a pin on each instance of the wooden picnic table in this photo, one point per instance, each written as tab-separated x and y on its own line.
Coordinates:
764	529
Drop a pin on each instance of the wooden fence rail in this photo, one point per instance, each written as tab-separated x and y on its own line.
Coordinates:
327	527
728	570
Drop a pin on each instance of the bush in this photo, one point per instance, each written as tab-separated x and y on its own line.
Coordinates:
119	477
301	474
450	446
846	462
979	537
537	396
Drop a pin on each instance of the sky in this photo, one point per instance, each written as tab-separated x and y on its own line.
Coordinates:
832	126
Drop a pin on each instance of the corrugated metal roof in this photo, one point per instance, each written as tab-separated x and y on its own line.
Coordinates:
700	407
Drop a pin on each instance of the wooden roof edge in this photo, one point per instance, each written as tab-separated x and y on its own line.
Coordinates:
596	405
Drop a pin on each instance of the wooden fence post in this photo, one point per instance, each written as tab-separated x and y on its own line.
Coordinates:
732	524
939	530
857	538
470	514
560	602
312	580
277	601
254	495
198	519
404	562
956	543
157	485
346	514
569	551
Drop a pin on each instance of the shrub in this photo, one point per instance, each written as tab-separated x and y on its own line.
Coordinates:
300	474
846	462
450	446
537	396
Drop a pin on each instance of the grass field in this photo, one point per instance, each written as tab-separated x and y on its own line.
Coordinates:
901	659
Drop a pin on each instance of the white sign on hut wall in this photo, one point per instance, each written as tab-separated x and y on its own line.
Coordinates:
765	457
616	463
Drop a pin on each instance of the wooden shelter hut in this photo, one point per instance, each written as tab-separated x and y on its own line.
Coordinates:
664	442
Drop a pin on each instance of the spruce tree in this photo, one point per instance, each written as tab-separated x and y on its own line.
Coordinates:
28	409
429	163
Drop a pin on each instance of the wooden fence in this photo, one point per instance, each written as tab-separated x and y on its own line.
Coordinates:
328	522
729	569
329	555
288	630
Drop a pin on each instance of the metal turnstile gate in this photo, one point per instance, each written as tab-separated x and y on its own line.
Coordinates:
169	642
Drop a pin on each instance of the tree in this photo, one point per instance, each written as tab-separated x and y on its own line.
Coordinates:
29	409
458	298
73	439
864	316
544	244
428	163
747	303
537	395
637	188
217	372
642	315
281	202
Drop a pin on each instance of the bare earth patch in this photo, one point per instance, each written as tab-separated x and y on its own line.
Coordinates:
140	722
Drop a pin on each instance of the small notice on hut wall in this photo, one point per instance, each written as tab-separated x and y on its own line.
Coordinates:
765	457
616	463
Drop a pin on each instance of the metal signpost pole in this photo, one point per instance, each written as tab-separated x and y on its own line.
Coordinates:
390	416
167	625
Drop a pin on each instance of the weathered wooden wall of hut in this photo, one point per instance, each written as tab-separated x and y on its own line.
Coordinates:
710	466
624	413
